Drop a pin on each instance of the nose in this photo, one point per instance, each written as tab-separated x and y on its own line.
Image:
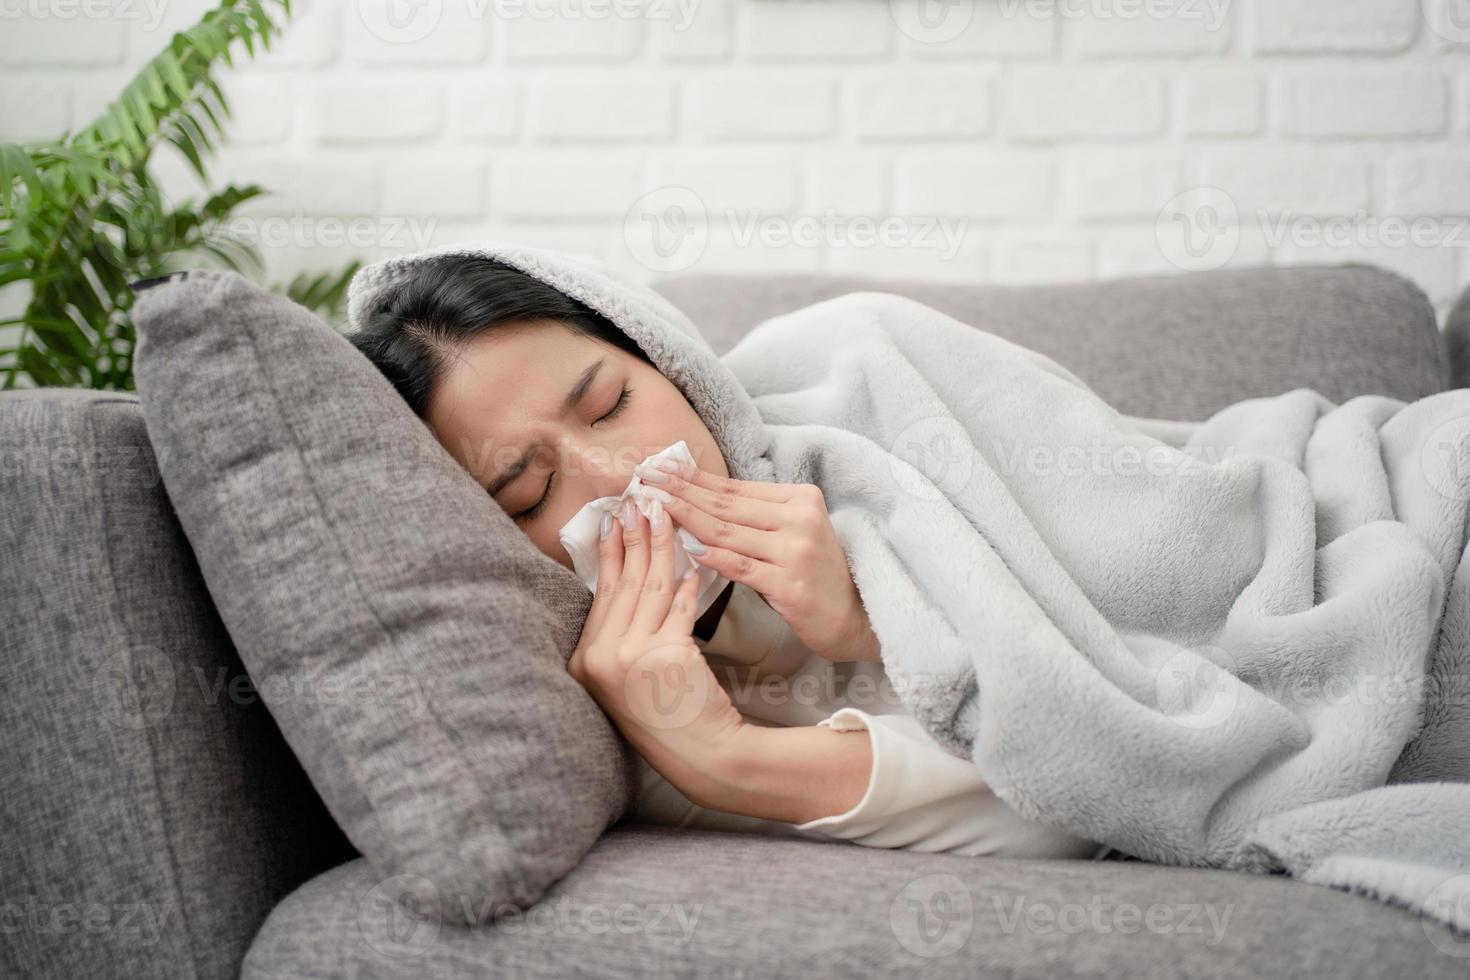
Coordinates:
598	469
611	484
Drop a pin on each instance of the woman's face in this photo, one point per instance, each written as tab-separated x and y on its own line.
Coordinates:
547	418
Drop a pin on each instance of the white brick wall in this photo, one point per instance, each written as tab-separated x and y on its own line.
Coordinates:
1004	140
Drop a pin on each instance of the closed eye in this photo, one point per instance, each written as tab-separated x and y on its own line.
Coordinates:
540	505
618	405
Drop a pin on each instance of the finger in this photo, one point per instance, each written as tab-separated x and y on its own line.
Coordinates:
732	504
723	531
779	493
609	569
725	499
761	576
634	570
683	610
658	585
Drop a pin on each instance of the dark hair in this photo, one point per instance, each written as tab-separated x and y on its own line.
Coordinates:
412	336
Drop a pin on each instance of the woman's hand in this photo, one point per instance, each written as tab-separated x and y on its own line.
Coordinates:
777	539
638	659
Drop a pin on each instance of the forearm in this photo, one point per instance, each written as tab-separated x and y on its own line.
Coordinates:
865	646
788	774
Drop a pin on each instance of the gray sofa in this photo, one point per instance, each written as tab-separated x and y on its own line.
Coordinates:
155	823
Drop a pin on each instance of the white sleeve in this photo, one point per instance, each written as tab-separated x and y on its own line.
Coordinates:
922	798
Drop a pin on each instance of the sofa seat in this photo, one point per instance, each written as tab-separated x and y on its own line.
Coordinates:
657	902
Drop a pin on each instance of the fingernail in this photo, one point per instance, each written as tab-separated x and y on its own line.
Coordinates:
607	524
658	520
696	548
630	516
650	474
668	465
663	496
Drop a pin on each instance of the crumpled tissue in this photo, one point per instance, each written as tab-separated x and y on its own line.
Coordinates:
579	535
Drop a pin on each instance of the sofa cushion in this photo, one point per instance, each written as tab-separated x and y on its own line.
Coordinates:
410	641
151	814
651	901
1176	346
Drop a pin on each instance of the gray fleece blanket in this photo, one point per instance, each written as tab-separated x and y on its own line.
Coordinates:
1238	644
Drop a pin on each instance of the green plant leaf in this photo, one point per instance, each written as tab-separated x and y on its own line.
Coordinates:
191	153
80	215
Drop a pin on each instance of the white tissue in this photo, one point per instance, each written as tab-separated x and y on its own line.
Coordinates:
580	534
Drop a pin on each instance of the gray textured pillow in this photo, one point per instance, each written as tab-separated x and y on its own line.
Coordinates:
409	640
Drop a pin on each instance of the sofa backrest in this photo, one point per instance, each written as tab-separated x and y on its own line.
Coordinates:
1174	346
152	814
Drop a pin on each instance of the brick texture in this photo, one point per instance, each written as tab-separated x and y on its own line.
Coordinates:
1054	141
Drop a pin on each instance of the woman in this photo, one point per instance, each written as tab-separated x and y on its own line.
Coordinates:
491	357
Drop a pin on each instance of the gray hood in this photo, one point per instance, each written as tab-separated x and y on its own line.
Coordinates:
667	336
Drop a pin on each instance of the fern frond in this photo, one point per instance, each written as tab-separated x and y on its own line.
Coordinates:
324	294
167	91
80	216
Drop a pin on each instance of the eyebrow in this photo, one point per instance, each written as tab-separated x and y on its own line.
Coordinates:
575	395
